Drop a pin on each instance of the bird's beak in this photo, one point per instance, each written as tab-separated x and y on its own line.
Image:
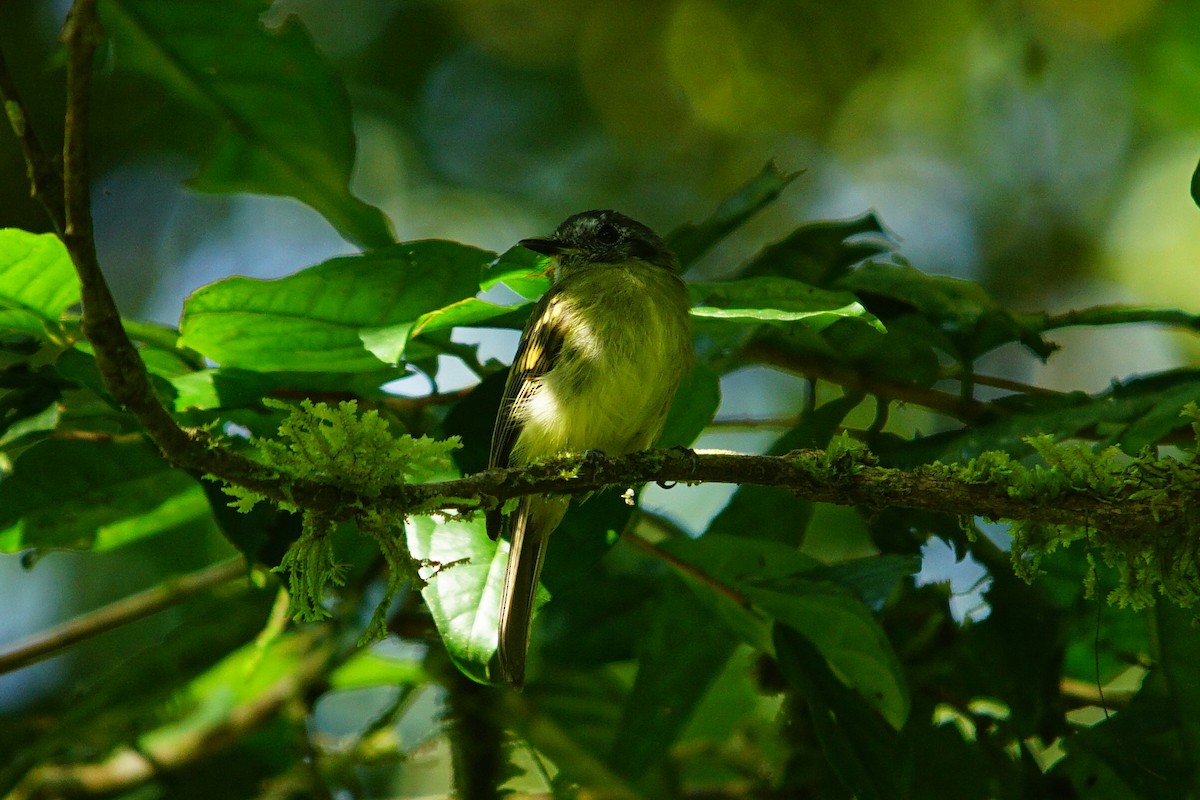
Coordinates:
547	247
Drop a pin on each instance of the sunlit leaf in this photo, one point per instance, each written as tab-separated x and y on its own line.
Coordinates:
37	280
367	668
280	117
354	313
776	300
464	595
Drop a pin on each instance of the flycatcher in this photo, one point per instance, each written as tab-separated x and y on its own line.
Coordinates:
596	369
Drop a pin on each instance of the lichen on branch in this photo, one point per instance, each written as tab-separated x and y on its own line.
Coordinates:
357	452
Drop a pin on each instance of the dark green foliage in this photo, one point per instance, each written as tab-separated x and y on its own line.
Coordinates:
781	649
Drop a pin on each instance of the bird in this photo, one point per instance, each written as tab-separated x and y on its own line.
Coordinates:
596	369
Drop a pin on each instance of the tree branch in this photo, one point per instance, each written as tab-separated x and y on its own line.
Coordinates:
121	368
952	405
129	609
812	474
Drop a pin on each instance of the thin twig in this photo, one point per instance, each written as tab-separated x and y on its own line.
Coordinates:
45	181
170	593
951	405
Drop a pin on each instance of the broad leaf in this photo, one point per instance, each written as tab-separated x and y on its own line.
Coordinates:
280	117
960	316
37	281
870	758
349	314
93	495
463	595
788	587
692	241
681	653
818	253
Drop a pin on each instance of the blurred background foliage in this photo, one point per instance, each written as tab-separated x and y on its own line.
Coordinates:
1040	147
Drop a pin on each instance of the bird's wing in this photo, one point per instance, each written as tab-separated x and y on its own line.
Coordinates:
537	353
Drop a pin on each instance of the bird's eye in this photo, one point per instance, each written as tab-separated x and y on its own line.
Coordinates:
608	234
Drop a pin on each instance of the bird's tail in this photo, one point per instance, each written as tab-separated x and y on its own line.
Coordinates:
532	523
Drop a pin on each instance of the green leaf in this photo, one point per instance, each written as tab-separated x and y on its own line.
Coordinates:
776	300
1196	185
681	654
463	596
348	314
367	669
695	404
93	495
279	115
844	631
37	281
782	582
521	270
960	316
693	240
1178	654
239	388
818	253
868	757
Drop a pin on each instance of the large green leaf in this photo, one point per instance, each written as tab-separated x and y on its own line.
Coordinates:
681	654
870	758
464	596
93	495
693	240
348	314
960	316
818	253
845	632
37	281
791	588
234	388
280	117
